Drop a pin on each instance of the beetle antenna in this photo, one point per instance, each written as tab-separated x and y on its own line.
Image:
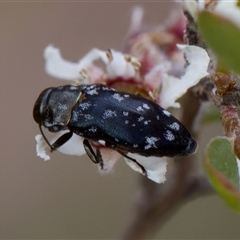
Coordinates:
48	143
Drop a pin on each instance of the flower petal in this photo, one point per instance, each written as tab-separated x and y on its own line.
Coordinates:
119	66
57	67
136	19
155	167
238	164
93	55
40	147
173	88
191	7
154	77
109	157
229	10
116	63
74	146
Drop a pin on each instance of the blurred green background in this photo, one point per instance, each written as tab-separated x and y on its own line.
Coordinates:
66	197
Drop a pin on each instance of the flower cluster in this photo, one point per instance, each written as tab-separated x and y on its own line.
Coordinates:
155	66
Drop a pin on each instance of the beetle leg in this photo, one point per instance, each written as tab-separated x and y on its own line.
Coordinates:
144	172
99	158
109	145
88	148
95	157
61	140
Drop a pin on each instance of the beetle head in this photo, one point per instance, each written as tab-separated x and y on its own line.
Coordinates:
53	107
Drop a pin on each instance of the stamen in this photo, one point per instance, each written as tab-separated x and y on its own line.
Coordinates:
84	74
127	57
136	64
109	55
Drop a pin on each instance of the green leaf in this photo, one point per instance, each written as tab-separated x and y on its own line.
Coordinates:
223	37
222	170
222	158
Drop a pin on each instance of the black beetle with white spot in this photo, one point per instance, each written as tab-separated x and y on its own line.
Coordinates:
118	120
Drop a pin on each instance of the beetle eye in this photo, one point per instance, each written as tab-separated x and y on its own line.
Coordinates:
40	105
47	118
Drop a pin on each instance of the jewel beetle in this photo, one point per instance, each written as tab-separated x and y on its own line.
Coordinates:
118	120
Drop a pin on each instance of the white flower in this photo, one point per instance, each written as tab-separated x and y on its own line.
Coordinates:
58	67
226	8
40	147
156	167
74	146
152	70
238	164
117	65
229	10
173	88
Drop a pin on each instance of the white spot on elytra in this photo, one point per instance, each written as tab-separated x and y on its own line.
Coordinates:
151	142
91	87
165	112
92	92
73	88
108	89
140	109
109	114
74	116
88	116
174	126
146	122
92	129
126	121
125	114
85	105
102	142
117	96
140	119
146	106
169	136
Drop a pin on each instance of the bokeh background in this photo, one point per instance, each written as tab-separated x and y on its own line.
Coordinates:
66	197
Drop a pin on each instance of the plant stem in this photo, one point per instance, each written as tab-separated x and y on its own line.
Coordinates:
157	203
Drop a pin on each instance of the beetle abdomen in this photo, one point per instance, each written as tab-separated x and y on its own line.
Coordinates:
129	122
